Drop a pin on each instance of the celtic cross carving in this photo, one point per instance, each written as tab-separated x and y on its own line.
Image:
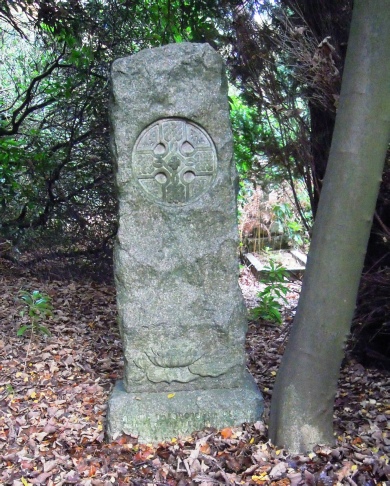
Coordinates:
174	161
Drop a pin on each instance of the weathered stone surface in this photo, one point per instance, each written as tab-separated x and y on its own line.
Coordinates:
154	416
181	313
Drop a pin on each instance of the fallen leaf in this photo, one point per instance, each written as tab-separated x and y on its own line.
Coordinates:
205	449
278	470
226	433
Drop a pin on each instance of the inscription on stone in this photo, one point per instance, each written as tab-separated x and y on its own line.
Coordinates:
174	161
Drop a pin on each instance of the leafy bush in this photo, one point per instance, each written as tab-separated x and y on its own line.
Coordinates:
275	291
37	307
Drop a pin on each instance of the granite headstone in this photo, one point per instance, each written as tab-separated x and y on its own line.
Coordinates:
181	313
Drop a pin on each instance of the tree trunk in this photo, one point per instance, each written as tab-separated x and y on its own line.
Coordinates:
321	131
303	397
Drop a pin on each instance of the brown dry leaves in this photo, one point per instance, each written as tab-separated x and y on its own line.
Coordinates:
54	390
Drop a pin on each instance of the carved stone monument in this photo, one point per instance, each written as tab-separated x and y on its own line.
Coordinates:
181	313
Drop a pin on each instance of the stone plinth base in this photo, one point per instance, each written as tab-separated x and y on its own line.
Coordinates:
154	417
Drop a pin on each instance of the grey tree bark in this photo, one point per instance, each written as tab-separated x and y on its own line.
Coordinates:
303	397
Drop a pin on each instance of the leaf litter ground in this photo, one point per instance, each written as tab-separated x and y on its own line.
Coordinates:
54	390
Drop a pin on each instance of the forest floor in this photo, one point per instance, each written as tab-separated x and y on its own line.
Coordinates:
54	390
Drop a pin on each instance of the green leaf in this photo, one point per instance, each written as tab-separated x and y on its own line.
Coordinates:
23	329
44	330
27	299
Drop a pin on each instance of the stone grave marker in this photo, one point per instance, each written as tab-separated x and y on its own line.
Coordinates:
181	313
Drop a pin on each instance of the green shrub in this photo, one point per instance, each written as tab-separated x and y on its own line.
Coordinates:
37	307
275	291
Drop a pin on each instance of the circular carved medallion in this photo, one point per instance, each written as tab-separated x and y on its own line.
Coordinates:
174	161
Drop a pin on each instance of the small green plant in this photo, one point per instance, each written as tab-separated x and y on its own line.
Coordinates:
269	308
285	215
37	307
